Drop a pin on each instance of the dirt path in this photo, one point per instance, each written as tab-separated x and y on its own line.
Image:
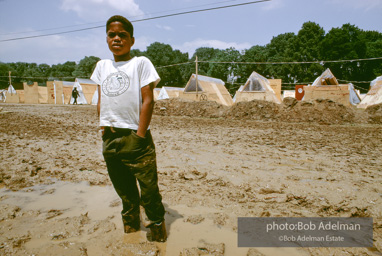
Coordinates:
56	198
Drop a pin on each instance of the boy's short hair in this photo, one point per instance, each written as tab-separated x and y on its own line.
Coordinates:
125	23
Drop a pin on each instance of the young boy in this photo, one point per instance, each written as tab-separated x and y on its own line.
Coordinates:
125	107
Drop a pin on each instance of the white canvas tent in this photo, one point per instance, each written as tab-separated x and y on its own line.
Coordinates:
81	97
86	89
169	92
374	96
240	89
156	93
11	90
354	96
2	95
257	87
95	97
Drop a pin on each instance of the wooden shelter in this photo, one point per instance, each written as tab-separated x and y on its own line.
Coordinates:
276	86
34	94
326	86
31	93
55	92
11	95
204	88
258	87
167	92
86	89
67	88
374	95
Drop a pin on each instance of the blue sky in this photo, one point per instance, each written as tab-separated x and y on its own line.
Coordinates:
238	27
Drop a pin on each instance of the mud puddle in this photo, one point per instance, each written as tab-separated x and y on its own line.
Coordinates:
189	228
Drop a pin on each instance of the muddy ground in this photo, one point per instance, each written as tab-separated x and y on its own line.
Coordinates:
215	164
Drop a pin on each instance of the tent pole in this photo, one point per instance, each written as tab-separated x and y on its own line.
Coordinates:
196	80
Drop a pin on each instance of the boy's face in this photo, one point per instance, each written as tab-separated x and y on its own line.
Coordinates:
119	41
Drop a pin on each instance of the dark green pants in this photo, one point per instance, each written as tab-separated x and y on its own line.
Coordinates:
130	158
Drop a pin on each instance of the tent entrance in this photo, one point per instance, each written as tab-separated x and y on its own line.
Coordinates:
192	86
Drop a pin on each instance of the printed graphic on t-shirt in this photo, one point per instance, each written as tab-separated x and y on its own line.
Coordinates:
115	84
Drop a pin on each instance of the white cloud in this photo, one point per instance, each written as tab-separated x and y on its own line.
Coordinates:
168	28
359	4
274	4
190	47
142	42
102	9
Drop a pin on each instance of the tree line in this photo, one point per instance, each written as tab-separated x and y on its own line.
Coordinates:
310	44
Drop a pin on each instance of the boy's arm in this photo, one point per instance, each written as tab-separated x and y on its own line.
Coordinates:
99	100
147	109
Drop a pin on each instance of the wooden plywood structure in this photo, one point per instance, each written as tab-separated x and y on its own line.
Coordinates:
42	95
206	89
258	87
21	96
55	92
326	86
12	97
31	93
276	86
67	88
374	96
337	93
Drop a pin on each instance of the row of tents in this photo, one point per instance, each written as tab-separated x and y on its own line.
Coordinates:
257	87
55	92
203	88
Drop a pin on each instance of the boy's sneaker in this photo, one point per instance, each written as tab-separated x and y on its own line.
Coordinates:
158	232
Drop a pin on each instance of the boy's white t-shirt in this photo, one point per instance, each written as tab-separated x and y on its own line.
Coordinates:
121	84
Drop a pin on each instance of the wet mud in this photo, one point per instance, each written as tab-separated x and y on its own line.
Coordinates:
214	166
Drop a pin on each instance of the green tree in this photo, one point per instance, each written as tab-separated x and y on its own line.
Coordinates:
344	43
371	69
20	71
256	53
280	49
4	81
136	53
306	47
85	67
63	71
204	54
225	71
163	55
374	68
